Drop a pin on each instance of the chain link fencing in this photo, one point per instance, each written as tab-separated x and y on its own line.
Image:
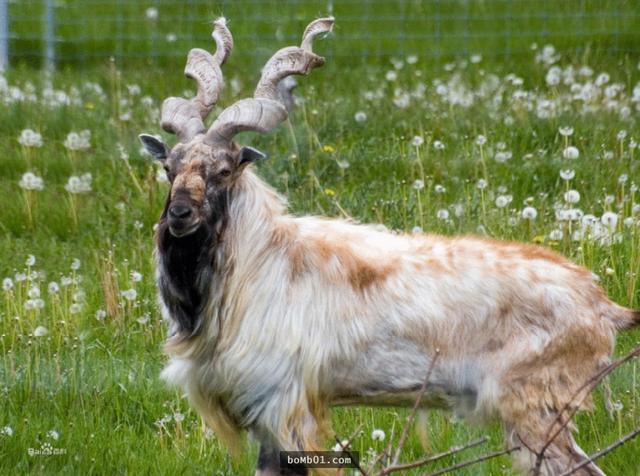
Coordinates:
84	32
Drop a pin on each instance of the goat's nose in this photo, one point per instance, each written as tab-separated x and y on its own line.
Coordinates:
180	211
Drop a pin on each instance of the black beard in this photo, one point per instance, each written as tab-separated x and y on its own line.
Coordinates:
186	267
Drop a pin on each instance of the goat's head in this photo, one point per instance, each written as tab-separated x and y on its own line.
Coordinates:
204	166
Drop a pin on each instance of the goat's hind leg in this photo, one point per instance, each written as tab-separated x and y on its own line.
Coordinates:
269	463
561	455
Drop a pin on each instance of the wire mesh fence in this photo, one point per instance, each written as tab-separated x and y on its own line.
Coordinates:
81	32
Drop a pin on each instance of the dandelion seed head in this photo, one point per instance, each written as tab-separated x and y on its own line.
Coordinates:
571	152
417	141
77	141
378	435
79	185
130	294
609	219
565	131
556	235
442	214
31	181
529	213
151	13
567	174
391	76
503	200
360	116
30	138
572	196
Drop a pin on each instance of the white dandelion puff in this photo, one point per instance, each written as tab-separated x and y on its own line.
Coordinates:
30	138
31	181
572	196
571	152
78	140
443	214
78	185
529	213
556	235
360	116
609	219
565	131
567	174
129	294
417	141
7	284
151	13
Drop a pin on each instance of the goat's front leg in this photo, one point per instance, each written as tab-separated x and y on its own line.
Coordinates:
269	463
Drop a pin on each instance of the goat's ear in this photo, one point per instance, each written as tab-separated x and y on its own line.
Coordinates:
154	146
249	155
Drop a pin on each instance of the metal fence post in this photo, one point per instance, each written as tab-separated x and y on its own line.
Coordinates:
49	36
4	35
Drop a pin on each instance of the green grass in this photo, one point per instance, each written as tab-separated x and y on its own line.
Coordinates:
95	381
90	31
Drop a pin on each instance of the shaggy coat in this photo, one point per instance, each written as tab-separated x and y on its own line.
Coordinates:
275	318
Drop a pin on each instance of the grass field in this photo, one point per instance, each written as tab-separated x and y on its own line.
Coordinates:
541	150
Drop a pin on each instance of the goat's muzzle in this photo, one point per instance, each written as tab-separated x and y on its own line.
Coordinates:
183	219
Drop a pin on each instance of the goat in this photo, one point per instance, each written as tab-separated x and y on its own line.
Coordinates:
276	318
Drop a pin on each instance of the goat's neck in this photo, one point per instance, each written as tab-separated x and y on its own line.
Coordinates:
256	215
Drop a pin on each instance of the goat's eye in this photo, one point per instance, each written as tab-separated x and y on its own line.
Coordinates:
224	173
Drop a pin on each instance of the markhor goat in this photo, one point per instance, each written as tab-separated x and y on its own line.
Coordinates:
275	318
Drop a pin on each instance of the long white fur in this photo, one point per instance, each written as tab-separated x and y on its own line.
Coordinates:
274	343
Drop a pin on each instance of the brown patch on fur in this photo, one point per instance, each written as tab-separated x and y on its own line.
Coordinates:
190	180
360	273
548	381
336	260
493	345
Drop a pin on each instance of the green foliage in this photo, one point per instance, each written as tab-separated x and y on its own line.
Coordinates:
86	363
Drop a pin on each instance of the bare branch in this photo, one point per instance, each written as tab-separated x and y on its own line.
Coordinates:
414	410
604	451
430	459
477	460
345	447
572	406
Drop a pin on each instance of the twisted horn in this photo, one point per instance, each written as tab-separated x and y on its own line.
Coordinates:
185	117
264	111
